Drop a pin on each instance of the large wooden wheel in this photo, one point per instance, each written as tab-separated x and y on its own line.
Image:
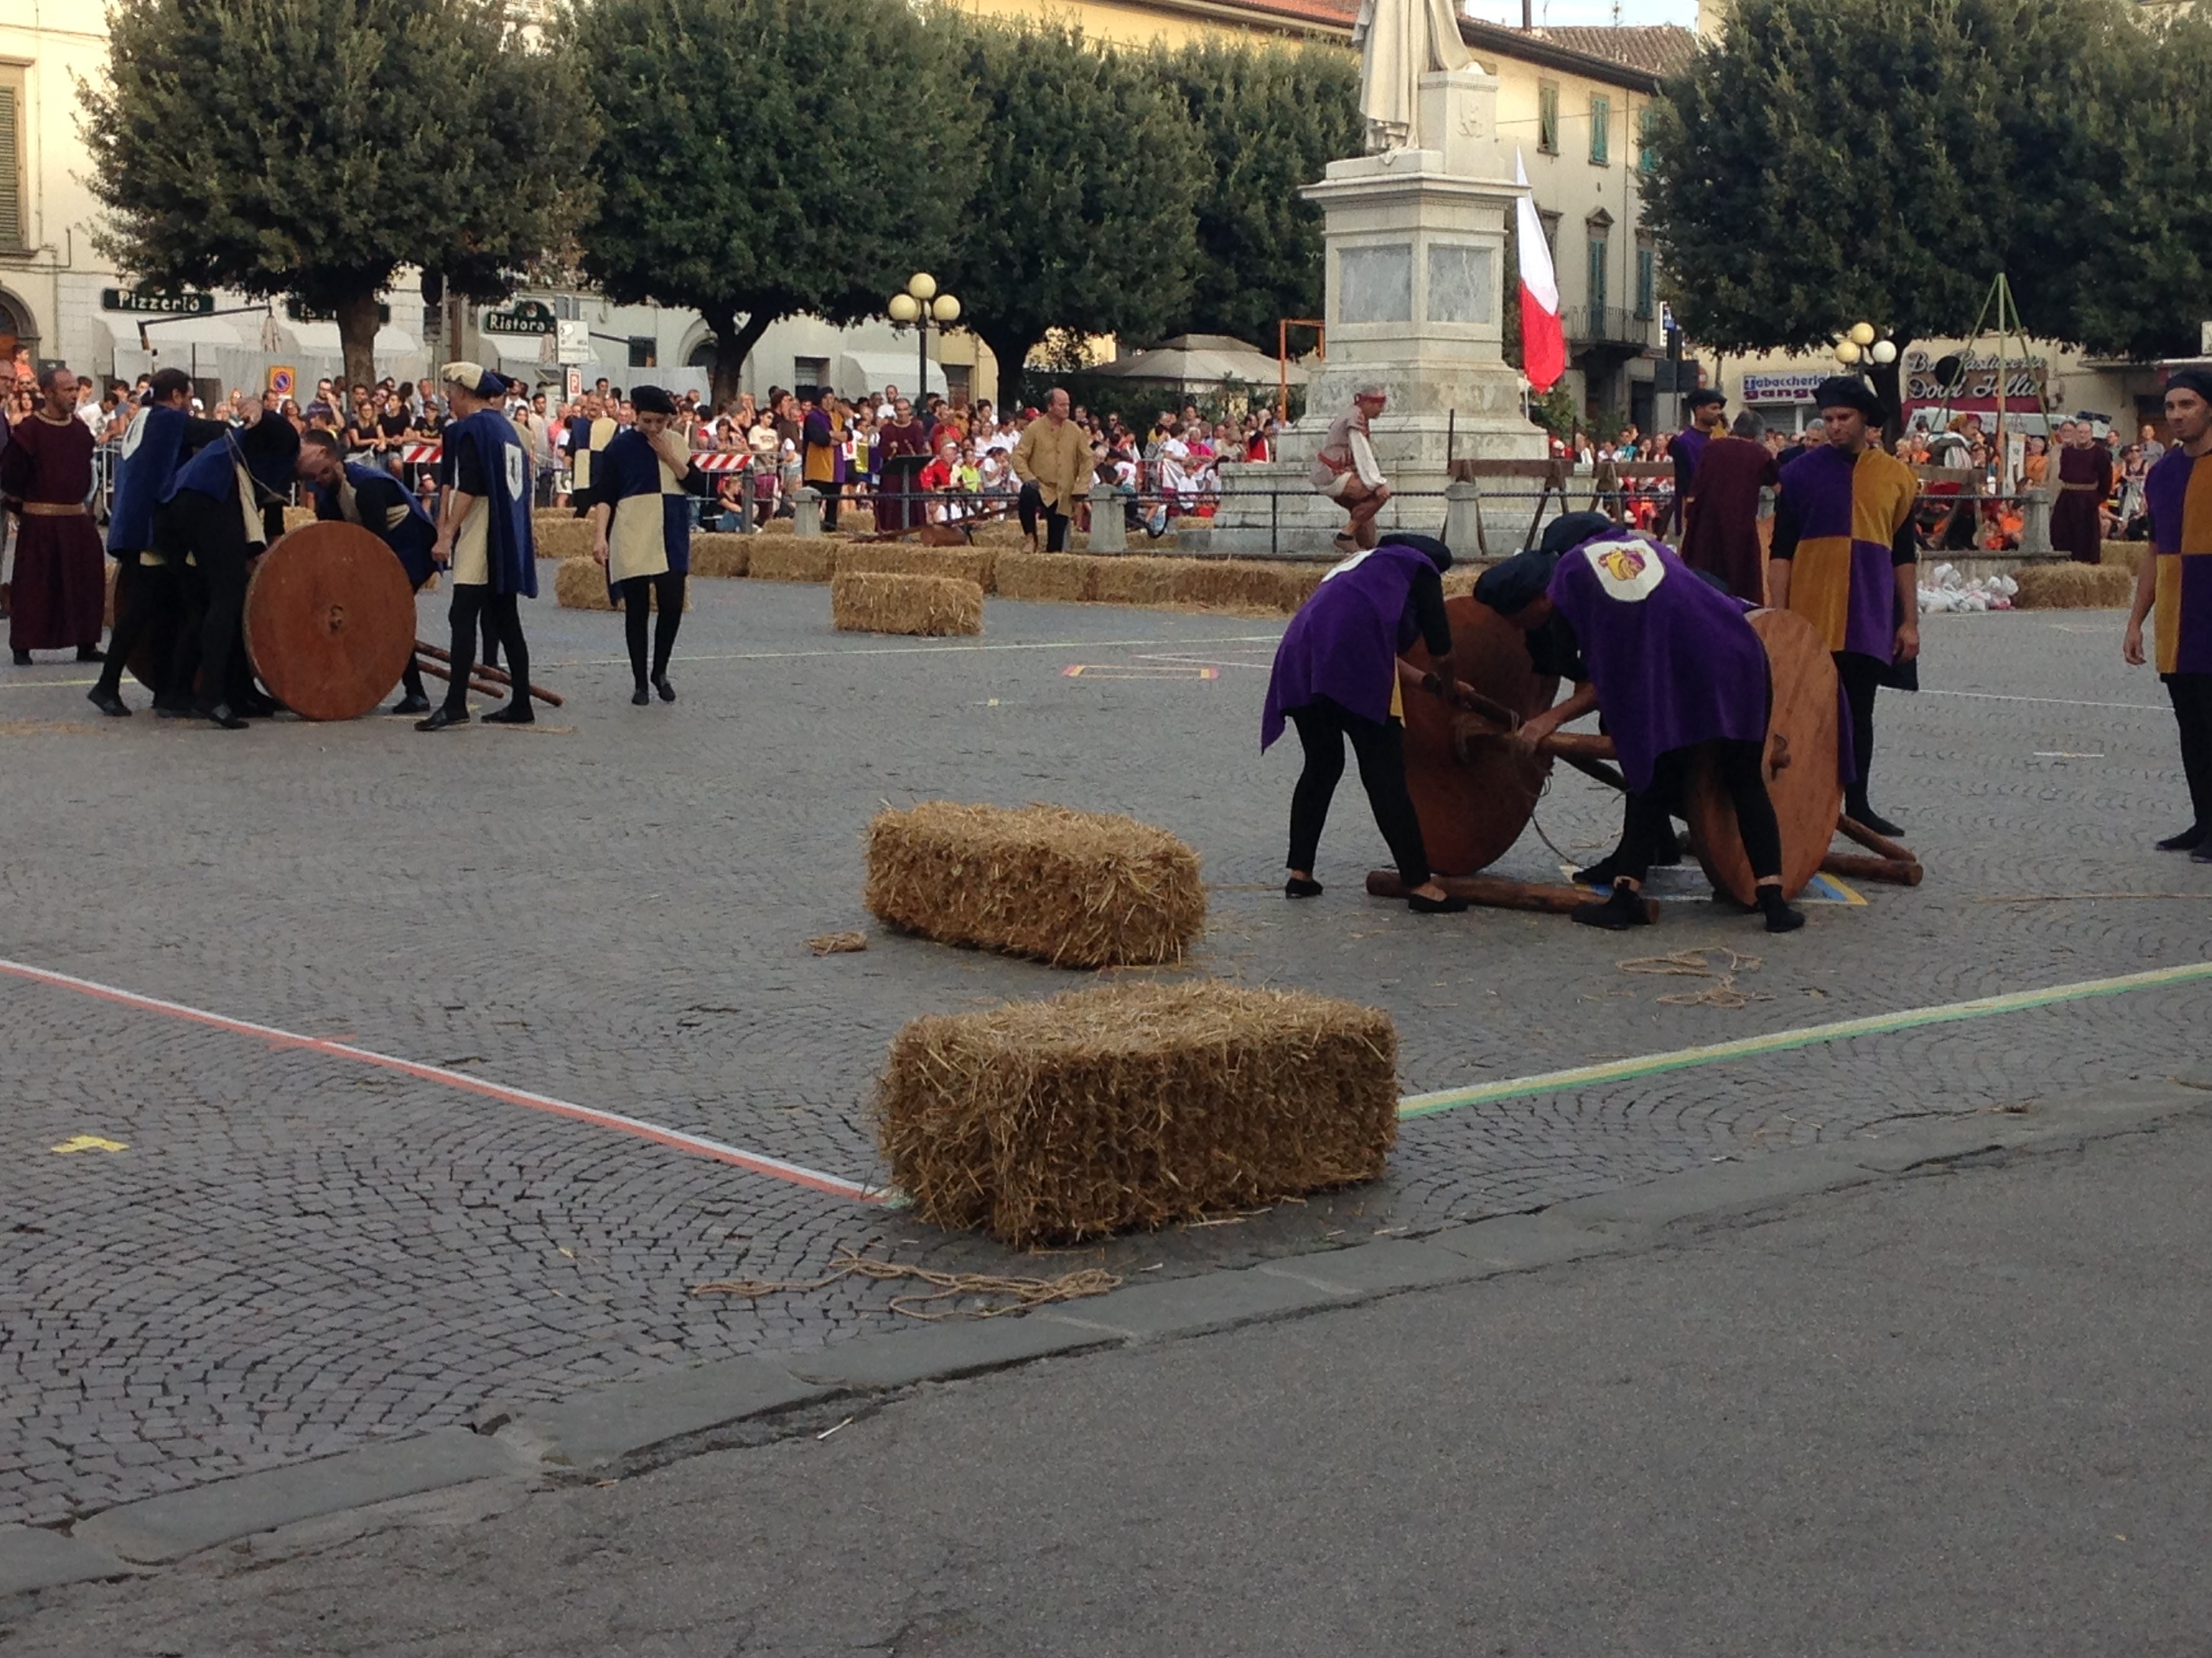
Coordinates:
1472	808
1802	777
329	621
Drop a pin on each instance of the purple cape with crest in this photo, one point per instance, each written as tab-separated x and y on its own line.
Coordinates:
1343	644
1672	658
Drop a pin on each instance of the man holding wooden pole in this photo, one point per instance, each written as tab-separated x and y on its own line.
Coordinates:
2176	585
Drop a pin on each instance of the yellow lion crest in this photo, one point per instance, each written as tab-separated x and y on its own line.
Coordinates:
1622	562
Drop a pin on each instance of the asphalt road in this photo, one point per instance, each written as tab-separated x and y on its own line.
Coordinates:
1960	1413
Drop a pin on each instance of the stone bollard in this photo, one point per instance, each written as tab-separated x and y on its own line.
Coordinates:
1109	527
806	514
1462	510
2035	520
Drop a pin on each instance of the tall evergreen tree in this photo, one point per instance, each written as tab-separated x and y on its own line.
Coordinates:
762	159
315	147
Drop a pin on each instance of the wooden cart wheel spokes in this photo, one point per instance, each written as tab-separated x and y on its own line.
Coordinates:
1472	810
329	621
1803	738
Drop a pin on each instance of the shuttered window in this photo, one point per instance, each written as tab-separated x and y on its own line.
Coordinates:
11	165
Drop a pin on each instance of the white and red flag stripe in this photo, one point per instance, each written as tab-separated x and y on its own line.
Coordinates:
1543	341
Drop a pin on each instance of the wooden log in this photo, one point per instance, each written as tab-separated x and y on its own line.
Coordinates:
498	676
1495	892
1898	872
1561	746
1881	845
477	684
1469	736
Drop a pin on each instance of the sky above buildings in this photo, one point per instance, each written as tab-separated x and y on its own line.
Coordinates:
1565	12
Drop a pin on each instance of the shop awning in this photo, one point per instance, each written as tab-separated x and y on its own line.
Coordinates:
171	335
871	370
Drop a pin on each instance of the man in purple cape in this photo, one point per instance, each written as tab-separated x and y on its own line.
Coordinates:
1679	674
1337	674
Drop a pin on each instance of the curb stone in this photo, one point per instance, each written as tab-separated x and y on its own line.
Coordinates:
596	1429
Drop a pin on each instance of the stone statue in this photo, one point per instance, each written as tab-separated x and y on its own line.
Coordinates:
1399	42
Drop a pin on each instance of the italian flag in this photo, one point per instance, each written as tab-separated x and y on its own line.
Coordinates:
1543	342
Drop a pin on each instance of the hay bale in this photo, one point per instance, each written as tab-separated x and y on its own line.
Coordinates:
1244	584
2073	586
2126	554
791	561
857	521
780	527
298	518
879	602
581	583
1074	889
721	555
975	564
565	537
1138	1105
1061	578
998	532
1134	578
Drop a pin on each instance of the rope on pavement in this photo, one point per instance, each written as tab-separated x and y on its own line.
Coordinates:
1020	1293
1692	964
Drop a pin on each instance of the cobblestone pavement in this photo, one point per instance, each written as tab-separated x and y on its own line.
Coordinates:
296	1252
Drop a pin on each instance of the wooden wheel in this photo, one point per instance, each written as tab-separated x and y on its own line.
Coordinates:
1802	735
329	621
1473	809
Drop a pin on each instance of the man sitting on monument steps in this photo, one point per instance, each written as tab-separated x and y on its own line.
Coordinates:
1345	469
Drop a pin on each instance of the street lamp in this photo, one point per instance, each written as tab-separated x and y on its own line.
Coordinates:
1863	343
921	304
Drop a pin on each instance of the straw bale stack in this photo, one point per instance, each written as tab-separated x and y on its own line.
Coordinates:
857	521
1134	578
1244	584
581	583
2073	586
1061	578
998	532
787	559
563	537
780	527
1074	889
1137	1105
879	602
975	564
2126	554
721	555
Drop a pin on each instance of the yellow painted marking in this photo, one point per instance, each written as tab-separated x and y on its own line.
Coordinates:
89	1143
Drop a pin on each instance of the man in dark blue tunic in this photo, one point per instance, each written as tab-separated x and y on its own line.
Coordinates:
484	535
349	493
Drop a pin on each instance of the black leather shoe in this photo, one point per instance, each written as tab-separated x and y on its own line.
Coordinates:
667	691
2188	840
411	705
223	716
1599	874
516	712
108	703
642	697
90	654
440	717
1625	909
1294	888
258	706
22	659
1450	904
172	711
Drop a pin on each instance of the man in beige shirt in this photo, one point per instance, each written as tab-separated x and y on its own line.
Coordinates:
1345	470
1053	461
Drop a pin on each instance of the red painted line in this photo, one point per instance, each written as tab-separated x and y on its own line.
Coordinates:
758	1162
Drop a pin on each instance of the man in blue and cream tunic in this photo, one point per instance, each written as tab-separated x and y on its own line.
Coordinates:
642	531
484	539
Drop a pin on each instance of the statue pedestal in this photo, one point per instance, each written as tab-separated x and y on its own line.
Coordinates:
1416	277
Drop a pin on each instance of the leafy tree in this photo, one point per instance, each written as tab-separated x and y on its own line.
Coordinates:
1085	178
1832	161
1268	120
733	176
315	147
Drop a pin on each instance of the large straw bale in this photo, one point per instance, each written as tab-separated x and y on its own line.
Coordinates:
780	527
565	537
997	532
581	583
2126	554
879	602
718	554
857	521
1244	584
1134	578
1138	1105
2072	586
789	559
1074	889
1062	577
974	564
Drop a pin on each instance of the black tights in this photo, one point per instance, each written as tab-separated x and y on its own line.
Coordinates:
150	607
1862	678
474	604
638	593
1741	768
1323	726
2192	711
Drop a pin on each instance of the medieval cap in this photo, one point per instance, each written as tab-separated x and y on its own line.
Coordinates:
1847	391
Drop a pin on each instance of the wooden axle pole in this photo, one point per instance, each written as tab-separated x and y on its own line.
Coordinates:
1494	892
1881	845
1898	872
498	676
477	684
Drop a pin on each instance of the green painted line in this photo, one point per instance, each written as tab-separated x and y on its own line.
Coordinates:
1778	1041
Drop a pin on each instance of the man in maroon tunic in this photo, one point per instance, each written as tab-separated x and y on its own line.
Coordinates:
1720	514
2085	484
61	571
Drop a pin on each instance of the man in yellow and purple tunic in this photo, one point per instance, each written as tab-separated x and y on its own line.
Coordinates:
2175	583
1845	560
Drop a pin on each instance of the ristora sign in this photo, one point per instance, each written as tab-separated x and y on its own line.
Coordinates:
143	303
523	316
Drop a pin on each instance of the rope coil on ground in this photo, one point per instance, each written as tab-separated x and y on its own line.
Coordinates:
1692	964
1024	1292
